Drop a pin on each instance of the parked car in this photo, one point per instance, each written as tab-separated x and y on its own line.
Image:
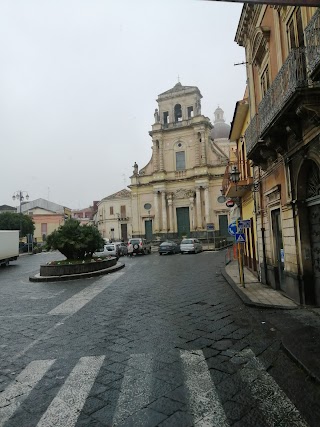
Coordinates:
140	246
123	248
190	245
111	249
169	247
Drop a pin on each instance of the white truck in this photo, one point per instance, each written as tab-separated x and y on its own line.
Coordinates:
9	246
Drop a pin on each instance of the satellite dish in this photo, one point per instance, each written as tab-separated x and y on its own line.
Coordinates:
221	199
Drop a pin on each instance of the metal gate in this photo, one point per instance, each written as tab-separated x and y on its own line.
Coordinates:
183	221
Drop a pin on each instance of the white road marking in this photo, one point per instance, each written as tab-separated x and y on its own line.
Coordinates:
204	401
69	309
135	390
79	300
18	391
65	408
273	402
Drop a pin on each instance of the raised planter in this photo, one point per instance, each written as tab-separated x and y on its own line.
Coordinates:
70	269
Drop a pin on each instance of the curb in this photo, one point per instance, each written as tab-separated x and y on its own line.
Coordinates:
38	278
299	363
247	301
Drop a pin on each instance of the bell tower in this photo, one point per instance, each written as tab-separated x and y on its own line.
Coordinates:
178	104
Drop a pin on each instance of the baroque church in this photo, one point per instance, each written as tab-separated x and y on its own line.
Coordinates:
176	193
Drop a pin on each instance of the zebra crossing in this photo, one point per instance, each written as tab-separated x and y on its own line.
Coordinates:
136	393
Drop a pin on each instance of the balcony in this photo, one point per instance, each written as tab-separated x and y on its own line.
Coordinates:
245	183
289	98
312	37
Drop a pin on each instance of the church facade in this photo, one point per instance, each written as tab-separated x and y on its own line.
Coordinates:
176	193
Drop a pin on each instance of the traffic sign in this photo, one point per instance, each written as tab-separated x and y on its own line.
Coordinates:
210	227
244	223
232	228
240	238
230	203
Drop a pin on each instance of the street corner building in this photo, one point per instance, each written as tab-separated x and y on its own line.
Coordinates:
282	143
176	193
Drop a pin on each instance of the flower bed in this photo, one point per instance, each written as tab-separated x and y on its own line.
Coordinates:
65	267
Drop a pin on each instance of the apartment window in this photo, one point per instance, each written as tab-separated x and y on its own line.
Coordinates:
180	161
123	211
111	210
265	81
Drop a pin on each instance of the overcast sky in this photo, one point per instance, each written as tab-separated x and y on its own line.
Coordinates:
79	81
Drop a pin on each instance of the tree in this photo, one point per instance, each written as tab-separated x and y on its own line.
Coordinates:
13	221
75	241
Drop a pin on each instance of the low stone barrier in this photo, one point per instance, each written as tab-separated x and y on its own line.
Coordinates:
70	269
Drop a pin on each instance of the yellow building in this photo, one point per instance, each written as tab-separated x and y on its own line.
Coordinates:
243	191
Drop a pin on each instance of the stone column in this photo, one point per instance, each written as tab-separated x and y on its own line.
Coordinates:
156	212
192	216
197	149
170	204
207	205
161	166
155	155
203	149
198	201
164	212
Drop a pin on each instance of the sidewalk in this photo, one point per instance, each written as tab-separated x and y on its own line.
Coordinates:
300	332
254	292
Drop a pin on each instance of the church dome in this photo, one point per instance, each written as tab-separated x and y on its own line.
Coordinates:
220	128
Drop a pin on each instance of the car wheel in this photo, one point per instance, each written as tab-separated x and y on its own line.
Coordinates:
160	253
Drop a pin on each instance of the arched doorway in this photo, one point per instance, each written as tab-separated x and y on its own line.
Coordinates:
309	222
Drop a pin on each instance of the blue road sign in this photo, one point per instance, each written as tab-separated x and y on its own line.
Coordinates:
240	238
210	227
232	228
244	223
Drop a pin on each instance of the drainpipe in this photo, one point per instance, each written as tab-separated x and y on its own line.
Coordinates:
264	260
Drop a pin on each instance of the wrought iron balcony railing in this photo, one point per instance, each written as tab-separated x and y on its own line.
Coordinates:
291	77
312	37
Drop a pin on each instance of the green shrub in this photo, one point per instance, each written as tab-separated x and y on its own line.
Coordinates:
75	241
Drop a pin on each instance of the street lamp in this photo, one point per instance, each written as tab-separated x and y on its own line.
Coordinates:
234	175
19	195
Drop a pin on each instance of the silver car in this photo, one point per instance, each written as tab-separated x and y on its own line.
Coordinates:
111	249
190	245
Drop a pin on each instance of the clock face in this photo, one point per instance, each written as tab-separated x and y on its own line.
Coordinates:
147	206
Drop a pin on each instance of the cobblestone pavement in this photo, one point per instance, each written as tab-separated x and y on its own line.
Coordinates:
163	342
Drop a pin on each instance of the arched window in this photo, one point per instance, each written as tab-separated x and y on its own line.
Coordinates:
177	113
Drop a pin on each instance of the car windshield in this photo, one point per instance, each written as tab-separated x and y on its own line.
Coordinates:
110	247
134	241
186	241
166	244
